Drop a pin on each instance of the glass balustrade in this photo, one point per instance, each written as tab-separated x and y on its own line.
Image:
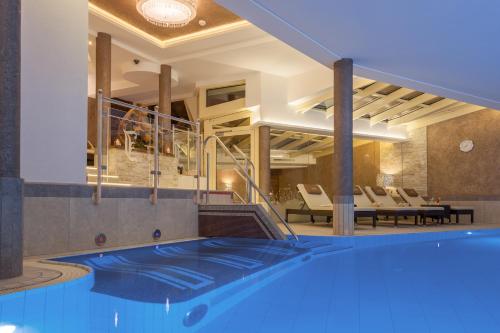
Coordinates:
140	147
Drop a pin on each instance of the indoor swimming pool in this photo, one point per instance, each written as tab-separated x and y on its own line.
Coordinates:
433	282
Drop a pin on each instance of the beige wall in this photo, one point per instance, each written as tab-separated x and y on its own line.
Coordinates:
230	176
321	173
367	164
91	121
455	173
366	167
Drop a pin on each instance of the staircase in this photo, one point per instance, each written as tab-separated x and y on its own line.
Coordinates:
91	173
237	220
249	219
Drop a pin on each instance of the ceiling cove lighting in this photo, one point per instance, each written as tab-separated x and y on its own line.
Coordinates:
167	13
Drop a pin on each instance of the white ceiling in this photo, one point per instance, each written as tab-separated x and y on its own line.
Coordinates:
446	47
231	54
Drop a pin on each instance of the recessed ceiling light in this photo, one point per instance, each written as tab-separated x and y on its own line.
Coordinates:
202	23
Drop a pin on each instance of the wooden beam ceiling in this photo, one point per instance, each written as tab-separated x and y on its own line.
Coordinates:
425	110
384	100
277	140
325	94
325	143
444	115
400	108
298	142
370	90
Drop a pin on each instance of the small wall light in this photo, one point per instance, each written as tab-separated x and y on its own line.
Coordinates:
385	180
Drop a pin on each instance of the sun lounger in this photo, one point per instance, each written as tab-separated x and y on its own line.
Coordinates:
414	199
317	203
386	205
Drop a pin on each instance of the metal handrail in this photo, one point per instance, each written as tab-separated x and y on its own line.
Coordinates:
146	110
101	99
156	167
98	192
239	197
249	179
247	162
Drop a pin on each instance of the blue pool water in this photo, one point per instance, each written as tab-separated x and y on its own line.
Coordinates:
448	282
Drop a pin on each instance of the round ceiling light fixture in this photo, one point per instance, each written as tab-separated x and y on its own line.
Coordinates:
168	13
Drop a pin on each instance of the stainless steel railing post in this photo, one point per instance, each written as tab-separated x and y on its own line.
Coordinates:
249	187
252	174
208	179
175	152
98	192
156	161
188	151
198	162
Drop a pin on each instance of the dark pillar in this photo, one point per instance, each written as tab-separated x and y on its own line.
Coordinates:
343	207
11	185
265	158
103	75
165	105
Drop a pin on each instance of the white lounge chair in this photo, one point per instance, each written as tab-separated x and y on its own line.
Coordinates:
315	197
387	206
317	203
414	199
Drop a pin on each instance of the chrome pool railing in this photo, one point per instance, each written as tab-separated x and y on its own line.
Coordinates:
248	178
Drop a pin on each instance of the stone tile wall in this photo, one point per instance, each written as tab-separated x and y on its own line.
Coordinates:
136	170
63	218
407	161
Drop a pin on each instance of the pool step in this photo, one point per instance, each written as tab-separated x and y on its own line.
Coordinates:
235	220
323	247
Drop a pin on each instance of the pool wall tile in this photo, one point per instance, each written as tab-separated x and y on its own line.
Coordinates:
87	220
53	308
46	227
170	213
34	307
57	225
136	218
13	309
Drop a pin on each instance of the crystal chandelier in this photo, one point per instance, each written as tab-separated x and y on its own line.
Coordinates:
167	13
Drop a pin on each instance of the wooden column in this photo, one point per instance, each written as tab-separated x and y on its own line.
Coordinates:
103	76
165	105
265	158
343	206
11	185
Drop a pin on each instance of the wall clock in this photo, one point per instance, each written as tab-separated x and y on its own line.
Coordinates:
466	146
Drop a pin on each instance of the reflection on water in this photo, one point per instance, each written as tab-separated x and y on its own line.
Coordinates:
167	288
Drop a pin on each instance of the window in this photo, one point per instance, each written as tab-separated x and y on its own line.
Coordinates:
221	95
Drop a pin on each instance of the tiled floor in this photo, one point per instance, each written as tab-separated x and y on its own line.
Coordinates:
384	227
41	273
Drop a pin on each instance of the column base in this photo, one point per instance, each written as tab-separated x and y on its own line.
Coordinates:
11	227
343	215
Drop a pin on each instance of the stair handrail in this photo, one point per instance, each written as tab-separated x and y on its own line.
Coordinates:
248	178
247	162
239	197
